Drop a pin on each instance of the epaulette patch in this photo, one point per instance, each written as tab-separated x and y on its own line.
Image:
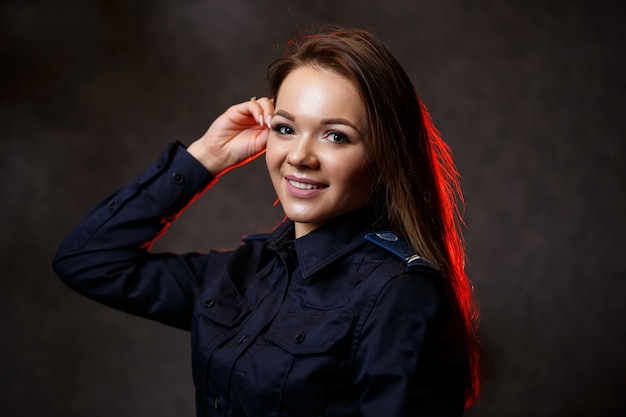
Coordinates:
397	246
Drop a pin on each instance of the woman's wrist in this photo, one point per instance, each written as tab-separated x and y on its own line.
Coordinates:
206	158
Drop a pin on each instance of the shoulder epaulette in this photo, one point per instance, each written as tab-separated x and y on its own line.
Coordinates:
259	236
392	243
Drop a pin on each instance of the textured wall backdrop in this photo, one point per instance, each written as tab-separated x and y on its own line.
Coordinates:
529	95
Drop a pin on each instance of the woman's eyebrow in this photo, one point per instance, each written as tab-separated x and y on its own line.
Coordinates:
285	114
341	121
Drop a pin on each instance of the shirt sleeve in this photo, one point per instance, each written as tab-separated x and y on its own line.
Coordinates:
106	257
409	360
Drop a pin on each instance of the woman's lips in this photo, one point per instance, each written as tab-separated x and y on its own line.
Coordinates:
303	185
303	188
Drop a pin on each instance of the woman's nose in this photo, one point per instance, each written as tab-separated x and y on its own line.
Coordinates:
303	153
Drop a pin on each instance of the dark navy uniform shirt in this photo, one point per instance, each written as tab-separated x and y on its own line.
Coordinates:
330	324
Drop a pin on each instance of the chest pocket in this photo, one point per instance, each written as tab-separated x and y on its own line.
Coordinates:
315	348
309	333
221	309
219	312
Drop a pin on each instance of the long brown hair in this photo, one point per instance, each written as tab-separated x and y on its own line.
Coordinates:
416	188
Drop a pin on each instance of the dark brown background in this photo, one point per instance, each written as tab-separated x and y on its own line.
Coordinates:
529	94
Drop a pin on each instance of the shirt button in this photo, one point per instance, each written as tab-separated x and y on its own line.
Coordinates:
299	338
216	404
209	302
178	178
112	204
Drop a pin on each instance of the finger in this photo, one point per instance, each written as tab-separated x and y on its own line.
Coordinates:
244	114
268	109
262	109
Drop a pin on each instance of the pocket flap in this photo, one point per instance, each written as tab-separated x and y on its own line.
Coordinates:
309	333
225	309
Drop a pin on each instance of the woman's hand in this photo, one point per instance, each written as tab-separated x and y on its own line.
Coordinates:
236	137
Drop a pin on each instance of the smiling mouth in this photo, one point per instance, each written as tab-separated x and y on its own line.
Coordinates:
303	185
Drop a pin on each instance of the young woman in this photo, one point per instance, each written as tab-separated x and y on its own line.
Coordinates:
358	304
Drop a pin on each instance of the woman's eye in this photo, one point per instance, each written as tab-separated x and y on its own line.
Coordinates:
283	129
337	137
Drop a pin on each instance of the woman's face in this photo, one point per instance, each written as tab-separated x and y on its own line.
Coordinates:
316	149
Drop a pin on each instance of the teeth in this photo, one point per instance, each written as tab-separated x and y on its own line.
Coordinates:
303	186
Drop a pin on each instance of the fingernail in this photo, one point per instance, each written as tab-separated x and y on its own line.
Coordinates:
261	119
268	119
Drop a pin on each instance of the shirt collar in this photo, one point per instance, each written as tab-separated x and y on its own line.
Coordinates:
328	242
